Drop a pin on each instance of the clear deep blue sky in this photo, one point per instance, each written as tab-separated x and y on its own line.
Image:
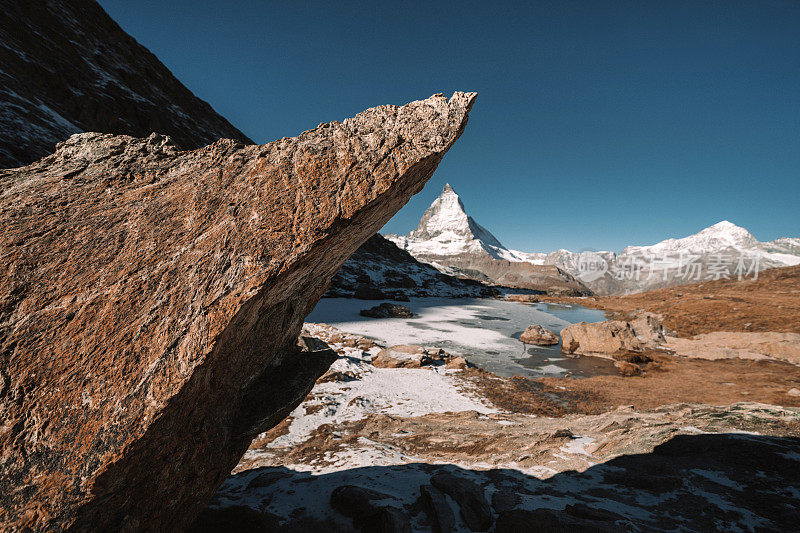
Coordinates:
598	123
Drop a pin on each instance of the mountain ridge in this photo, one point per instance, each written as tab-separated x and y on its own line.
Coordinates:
453	242
447	236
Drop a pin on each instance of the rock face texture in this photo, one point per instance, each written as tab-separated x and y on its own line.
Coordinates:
410	356
727	344
606	339
151	299
67	67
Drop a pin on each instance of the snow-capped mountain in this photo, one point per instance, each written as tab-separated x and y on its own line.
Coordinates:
445	229
723	250
67	67
720	236
453	242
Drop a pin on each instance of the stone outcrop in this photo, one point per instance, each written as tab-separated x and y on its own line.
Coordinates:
751	345
538	335
409	356
151	300
368	510
67	68
475	510
613	337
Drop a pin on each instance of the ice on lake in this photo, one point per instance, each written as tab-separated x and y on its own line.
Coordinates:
485	331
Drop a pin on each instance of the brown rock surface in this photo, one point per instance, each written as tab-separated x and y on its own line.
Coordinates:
725	345
601	339
604	339
402	356
538	335
151	300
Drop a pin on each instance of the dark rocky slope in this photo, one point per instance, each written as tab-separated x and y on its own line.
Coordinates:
151	300
379	269
67	67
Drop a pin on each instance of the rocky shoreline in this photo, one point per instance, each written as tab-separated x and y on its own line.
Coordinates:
510	451
694	439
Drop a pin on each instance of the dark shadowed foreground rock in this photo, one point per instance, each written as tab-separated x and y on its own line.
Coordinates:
67	67
150	303
475	509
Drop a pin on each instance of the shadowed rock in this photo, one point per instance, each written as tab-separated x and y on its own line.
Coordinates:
67	67
387	310
475	509
151	300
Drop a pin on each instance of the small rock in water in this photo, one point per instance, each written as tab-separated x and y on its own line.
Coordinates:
526	298
387	310
539	336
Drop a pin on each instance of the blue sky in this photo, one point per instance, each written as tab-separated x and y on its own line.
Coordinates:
598	124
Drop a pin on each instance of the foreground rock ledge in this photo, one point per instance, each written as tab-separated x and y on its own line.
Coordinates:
150	302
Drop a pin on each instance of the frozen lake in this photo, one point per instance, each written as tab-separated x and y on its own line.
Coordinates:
485	331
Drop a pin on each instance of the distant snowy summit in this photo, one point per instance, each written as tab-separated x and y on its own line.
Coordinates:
721	251
724	236
452	241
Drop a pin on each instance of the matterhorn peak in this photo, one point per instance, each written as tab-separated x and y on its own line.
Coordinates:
724	224
445	215
446	229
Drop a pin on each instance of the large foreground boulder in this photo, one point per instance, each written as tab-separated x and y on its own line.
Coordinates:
151	299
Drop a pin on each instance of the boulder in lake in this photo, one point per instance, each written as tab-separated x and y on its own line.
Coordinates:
387	310
539	336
